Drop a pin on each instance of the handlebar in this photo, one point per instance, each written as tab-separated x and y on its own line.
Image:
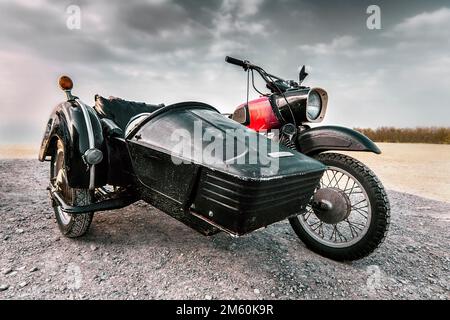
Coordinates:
268	78
237	62
249	66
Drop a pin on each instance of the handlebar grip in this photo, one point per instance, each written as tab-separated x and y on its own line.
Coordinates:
236	62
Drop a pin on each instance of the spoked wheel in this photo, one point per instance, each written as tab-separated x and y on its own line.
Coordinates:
72	226
348	217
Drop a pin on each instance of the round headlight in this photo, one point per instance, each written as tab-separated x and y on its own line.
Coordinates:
314	106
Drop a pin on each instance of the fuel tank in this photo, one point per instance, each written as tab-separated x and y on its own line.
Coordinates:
196	164
259	115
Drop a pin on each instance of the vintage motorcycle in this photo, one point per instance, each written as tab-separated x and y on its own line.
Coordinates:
118	152
349	215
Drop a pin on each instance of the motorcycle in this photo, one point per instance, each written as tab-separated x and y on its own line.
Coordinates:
349	215
118	152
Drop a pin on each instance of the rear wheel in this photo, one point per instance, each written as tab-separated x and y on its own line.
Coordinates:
72	226
349	215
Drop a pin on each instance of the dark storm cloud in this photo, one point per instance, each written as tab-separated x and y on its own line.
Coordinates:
41	31
155	18
167	51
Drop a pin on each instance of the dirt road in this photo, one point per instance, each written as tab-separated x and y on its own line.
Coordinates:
140	253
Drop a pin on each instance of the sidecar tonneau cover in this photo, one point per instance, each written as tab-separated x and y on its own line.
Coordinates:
180	157
121	111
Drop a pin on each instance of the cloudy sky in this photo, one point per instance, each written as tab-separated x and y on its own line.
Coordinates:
161	51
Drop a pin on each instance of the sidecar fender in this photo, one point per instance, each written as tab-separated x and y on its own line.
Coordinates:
328	138
68	124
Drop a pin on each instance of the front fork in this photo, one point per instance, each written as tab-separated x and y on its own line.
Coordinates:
288	134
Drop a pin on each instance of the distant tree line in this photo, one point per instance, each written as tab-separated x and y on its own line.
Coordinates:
433	135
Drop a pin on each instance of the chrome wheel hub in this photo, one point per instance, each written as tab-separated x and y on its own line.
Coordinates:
331	205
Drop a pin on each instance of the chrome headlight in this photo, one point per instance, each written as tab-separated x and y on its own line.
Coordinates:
313	106
316	105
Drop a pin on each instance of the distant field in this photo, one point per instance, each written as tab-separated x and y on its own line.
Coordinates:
19	152
419	169
433	135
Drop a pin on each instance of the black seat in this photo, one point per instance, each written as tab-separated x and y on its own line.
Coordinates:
121	111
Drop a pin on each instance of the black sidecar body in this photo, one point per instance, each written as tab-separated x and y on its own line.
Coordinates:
187	160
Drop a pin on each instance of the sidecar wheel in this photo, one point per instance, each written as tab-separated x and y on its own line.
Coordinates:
72	226
349	216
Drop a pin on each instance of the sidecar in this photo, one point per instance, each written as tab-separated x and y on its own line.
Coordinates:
186	159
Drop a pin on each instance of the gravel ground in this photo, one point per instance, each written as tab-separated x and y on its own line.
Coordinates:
140	253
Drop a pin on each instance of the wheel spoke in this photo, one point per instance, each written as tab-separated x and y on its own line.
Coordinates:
355	227
315	223
320	225
352	229
334	178
346	184
361	213
353	188
328	185
333	233
354	205
341	236
337	182
361	208
355	193
321	232
308	213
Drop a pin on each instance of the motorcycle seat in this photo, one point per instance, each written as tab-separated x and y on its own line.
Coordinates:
121	111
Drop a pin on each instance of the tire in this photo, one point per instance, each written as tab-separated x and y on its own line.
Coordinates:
71	226
375	230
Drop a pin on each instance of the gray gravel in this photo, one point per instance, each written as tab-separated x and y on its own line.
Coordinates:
140	253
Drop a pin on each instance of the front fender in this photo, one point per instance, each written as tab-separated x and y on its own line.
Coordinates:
328	138
67	124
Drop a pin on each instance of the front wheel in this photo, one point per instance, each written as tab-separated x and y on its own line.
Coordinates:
349	215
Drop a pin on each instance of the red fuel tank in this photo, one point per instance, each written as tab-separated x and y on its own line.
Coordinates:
259	115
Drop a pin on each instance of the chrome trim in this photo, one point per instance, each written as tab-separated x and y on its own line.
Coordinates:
92	178
215	225
93	156
90	132
69	95
134	123
324	97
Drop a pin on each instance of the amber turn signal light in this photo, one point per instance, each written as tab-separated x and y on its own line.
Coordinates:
65	83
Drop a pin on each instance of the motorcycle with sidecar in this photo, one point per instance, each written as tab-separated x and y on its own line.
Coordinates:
237	174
